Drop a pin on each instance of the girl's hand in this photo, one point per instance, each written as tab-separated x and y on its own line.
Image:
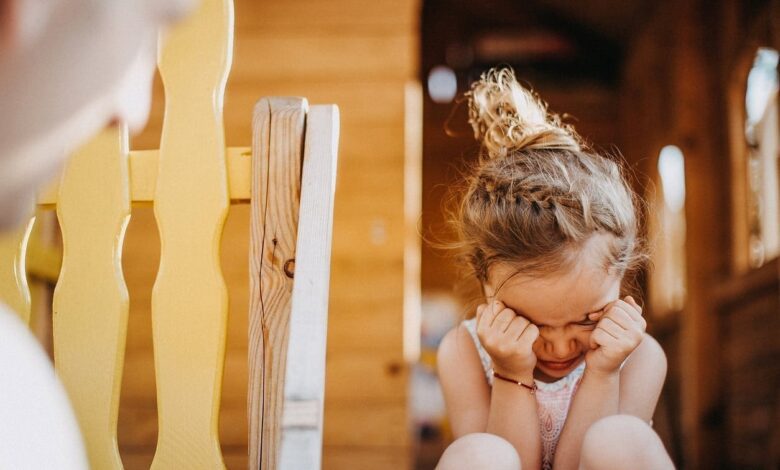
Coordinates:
508	338
619	331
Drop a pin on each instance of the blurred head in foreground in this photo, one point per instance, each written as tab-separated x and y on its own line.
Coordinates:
68	68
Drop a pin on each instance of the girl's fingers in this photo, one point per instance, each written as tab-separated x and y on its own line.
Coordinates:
614	330
631	300
494	308
504	319
529	335
626	316
634	312
516	327
596	316
599	337
620	315
633	309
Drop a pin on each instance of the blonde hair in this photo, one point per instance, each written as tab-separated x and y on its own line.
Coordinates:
537	192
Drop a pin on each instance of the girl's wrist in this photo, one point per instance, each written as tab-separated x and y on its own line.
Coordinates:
526	383
526	376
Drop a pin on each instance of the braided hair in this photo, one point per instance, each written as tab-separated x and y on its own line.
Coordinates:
537	192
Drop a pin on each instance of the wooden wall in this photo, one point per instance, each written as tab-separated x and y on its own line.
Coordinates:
749	328
684	85
363	57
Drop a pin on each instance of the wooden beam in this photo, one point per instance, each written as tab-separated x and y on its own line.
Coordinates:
144	165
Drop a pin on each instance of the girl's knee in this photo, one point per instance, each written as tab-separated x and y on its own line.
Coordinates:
623	441
480	450
617	427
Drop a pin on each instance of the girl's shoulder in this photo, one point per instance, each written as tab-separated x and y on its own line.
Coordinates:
460	354
470	329
458	342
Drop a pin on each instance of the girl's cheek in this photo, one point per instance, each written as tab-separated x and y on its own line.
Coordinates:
584	338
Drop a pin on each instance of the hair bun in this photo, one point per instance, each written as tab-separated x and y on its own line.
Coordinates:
506	116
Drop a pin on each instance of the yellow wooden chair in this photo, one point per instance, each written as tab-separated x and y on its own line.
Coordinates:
191	180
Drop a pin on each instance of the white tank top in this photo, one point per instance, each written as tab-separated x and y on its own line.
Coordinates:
553	399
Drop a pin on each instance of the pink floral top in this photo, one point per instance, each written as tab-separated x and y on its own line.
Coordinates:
553	399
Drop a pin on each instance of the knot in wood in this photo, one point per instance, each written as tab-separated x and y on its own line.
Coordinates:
289	268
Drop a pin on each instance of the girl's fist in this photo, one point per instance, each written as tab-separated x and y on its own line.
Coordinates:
619	331
508	338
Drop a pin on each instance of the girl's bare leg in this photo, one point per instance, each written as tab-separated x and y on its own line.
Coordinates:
478	451
623	441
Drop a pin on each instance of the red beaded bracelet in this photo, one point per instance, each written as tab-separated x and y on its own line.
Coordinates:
531	388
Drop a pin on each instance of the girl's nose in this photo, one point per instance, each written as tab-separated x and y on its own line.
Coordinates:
559	346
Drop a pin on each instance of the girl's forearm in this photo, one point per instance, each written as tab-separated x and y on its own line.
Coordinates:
514	417
598	396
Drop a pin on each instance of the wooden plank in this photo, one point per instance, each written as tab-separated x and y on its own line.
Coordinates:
142	428
356	98
14	291
189	299
366	424
382	374
139	383
370	56
304	385
277	146
366	457
316	15
90	304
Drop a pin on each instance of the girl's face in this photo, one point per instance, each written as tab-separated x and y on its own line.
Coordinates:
559	305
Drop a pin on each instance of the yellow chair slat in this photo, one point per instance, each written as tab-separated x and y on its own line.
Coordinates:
189	299
90	304
277	151
14	291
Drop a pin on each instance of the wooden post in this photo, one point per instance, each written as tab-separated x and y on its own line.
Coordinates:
278	126
697	116
288	319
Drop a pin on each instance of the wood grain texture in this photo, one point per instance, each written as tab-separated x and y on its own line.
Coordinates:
277	153
304	385
90	304
189	299
14	291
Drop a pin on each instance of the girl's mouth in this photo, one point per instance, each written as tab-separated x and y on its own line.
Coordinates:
558	365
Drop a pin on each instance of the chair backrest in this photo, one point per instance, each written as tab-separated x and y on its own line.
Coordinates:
192	180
